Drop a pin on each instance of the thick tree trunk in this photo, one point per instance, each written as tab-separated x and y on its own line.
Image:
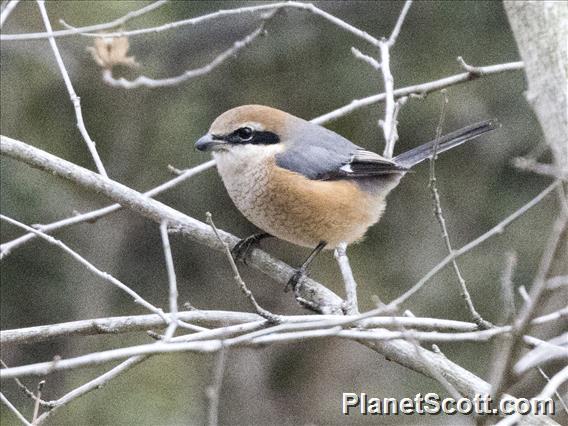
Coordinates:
541	31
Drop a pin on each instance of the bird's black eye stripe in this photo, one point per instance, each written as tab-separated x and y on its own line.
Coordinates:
246	135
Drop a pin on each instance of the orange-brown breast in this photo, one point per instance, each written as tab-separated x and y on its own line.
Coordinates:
305	212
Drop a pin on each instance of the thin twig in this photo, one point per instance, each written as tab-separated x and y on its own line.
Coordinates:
14	410
558	396
87	31
194	343
419	89
366	58
8	9
225	319
94	384
483	324
40	386
75	100
143	81
401	17
104	275
25	389
352	307
399	103
531	165
388	122
507	288
557	282
171	280
119	21
92	216
237	276
553	350
98	27
214	390
497	229
512	346
547	392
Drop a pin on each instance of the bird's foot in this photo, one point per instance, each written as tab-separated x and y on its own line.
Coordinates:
242	249
295	279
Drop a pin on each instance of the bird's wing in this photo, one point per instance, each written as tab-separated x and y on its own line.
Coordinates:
323	155
365	163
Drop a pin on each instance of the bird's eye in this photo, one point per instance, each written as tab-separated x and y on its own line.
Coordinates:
245	133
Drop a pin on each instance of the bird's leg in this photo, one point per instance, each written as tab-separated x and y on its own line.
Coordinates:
242	248
302	270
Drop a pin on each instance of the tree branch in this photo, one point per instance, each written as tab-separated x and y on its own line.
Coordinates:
418	89
320	296
397	350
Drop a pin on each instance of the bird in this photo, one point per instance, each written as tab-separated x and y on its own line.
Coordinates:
305	184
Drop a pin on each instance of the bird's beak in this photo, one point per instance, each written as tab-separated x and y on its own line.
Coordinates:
209	143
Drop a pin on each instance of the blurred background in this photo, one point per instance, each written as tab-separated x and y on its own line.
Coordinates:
304	66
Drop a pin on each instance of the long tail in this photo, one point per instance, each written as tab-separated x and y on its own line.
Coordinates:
416	155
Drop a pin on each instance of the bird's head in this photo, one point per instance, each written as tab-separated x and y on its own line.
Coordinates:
252	128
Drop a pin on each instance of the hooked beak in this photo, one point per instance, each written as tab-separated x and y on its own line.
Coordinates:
209	143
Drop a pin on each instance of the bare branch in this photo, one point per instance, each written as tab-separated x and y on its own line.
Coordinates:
127	324
366	58
512	345
555	349
14	410
507	288
352	307
8	9
40	386
119	21
396	350
215	345
531	165
156	211
171	279
269	316
396	30
540	31
557	282
87	31
276	334
98	27
104	275
418	89
26	391
442	222
497	229
6	248
560	399
388	123
547	392
214	390
144	81
90	386
75	100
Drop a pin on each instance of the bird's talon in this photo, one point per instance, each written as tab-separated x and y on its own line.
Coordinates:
241	250
294	280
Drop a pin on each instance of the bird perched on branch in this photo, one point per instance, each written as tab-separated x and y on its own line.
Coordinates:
302	183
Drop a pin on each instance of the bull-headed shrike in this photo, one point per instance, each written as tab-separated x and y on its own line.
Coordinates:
305	184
